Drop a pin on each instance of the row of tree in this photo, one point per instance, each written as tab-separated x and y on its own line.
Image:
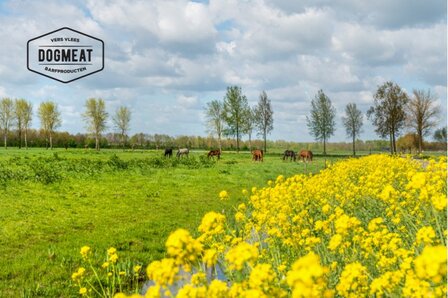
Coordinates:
393	110
144	141
18	113
234	117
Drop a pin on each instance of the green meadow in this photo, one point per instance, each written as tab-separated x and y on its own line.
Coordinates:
53	202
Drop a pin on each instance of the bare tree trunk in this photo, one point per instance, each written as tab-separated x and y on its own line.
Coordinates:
354	152
264	136
420	141
325	147
5	139
391	143
219	143
26	142
237	139
97	143
394	143
51	141
250	142
20	138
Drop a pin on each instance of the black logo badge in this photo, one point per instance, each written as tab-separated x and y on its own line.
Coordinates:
65	55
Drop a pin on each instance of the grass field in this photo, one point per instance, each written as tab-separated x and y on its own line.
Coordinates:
54	202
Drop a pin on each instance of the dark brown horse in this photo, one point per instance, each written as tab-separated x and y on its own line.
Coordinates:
306	155
257	155
289	153
213	153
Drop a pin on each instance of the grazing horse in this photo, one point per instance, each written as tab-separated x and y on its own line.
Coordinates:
257	155
168	152
291	154
306	155
183	151
213	153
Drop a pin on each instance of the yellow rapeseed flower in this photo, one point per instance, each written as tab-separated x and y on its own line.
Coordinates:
182	247
425	235
241	254
83	291
76	276
85	251
223	195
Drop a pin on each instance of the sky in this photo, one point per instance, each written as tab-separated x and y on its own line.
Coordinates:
166	59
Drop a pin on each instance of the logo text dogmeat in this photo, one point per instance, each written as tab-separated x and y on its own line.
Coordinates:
65	55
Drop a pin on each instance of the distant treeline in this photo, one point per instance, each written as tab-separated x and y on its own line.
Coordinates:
37	138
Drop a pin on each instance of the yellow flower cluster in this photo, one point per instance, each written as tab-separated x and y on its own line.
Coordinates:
223	195
307	278
163	272
212	227
371	226
241	254
76	276
183	248
106	279
112	254
85	251
353	281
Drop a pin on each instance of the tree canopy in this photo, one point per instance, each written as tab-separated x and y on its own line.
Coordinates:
388	112
321	121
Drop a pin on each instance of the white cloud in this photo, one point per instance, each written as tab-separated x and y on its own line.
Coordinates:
187	101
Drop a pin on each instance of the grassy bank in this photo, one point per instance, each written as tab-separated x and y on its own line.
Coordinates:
54	202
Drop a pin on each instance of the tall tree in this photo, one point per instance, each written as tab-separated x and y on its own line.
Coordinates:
421	112
214	114
96	117
23	113
440	135
50	119
388	113
6	117
235	107
321	122
122	119
352	122
264	117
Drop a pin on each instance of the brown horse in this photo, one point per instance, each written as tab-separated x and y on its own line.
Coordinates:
213	153
257	155
306	155
289	154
